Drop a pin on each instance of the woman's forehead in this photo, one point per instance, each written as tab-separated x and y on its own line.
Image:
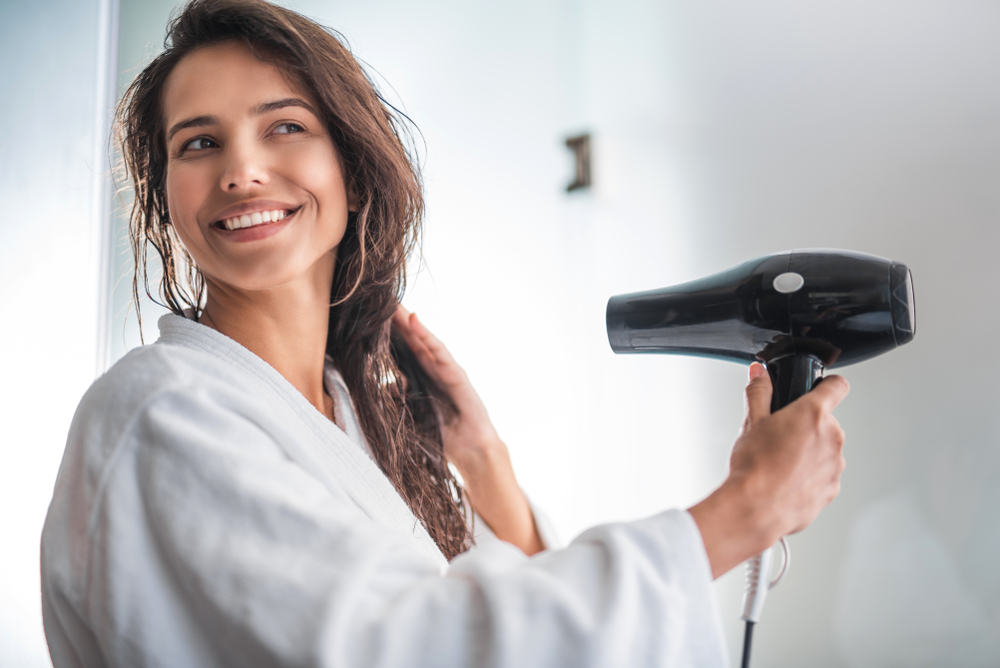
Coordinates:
224	78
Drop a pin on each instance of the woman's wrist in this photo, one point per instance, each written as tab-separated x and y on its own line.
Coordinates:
480	455
493	491
735	524
487	474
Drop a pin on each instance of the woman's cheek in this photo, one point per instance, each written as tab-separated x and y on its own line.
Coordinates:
185	197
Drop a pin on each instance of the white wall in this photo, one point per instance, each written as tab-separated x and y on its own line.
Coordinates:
52	178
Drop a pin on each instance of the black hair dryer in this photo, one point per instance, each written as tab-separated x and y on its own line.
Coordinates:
798	312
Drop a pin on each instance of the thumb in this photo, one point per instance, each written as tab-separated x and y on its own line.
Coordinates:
758	395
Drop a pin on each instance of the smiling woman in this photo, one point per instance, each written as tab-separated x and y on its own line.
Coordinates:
255	110
273	482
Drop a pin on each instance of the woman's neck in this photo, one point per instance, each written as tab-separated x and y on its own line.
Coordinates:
285	326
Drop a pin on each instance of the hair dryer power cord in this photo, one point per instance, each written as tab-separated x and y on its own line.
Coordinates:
747	637
756	588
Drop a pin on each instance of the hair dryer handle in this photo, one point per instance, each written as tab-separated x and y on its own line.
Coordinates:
791	377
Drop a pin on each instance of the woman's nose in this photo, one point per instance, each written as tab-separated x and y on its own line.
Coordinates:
245	169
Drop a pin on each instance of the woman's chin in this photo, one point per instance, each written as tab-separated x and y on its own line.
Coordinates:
258	280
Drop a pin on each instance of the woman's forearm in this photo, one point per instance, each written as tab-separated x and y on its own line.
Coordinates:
731	528
495	495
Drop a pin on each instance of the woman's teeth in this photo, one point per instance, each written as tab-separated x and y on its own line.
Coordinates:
255	218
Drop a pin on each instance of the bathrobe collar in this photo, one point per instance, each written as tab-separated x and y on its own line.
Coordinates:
331	456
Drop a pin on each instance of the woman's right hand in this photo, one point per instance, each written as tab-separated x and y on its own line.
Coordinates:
784	469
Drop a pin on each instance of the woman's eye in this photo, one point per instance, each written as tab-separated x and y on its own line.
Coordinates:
288	128
199	143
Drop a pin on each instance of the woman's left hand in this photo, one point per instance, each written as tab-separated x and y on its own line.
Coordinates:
471	442
469	439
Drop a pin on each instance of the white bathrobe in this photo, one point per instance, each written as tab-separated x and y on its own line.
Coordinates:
205	514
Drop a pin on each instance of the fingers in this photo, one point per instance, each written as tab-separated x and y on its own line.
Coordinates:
401	317
403	321
431	342
419	338
797	454
830	392
430	352
758	394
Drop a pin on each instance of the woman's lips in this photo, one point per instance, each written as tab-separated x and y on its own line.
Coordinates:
256	230
253	218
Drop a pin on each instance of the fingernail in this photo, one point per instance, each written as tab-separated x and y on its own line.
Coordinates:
756	371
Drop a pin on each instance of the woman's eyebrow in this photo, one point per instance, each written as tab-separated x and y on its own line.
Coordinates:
260	110
198	121
268	107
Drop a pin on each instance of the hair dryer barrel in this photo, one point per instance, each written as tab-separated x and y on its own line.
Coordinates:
837	306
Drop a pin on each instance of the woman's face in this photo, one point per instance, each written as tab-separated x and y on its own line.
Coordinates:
254	183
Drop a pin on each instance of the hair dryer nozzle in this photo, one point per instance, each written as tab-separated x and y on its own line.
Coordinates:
839	307
904	311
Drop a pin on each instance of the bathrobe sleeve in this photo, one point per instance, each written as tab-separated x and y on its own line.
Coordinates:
209	547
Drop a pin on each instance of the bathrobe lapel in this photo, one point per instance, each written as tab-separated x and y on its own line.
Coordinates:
323	449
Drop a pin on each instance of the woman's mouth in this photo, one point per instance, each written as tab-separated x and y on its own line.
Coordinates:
253	219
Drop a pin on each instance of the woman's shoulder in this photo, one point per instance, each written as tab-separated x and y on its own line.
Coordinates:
109	409
185	355
117	398
143	373
183	362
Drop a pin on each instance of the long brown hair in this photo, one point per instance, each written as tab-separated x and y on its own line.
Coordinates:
399	411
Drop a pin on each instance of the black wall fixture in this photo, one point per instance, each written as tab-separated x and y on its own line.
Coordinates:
580	145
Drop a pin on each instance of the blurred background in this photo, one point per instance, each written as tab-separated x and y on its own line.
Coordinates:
720	132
